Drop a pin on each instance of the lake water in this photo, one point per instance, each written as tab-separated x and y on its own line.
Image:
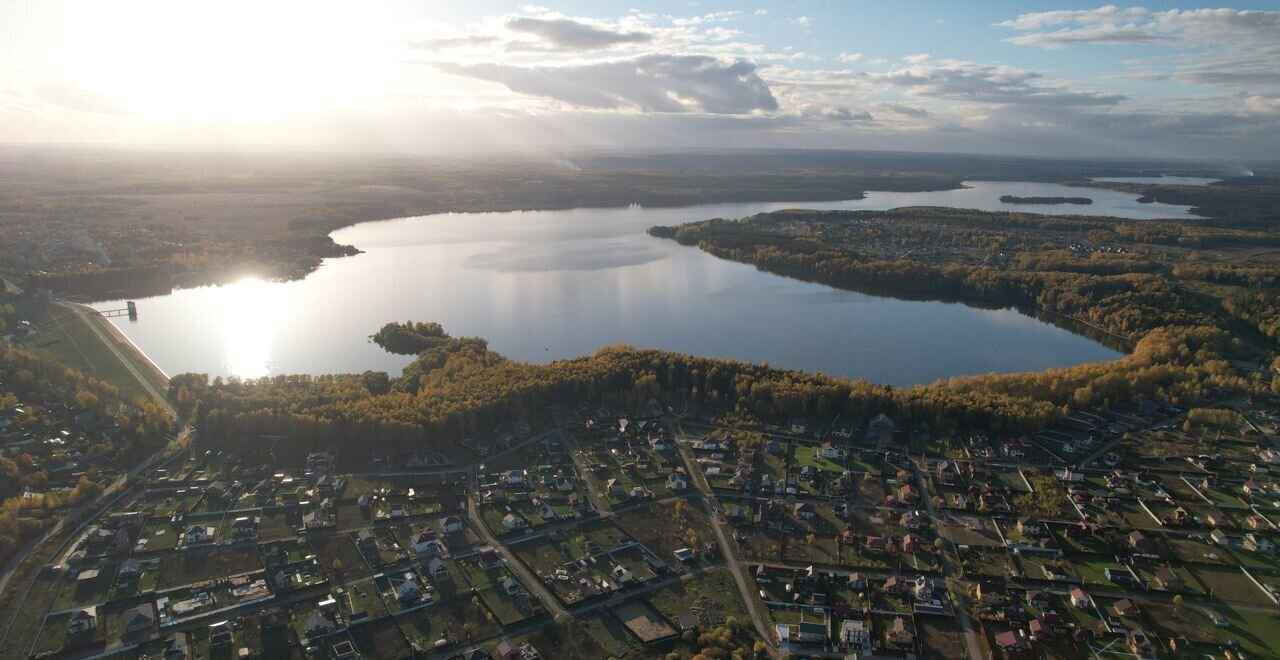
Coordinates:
1162	180
545	285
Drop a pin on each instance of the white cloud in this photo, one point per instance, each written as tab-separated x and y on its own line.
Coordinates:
570	34
1218	47
650	83
848	58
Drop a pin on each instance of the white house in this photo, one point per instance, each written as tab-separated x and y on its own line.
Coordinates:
1080	599
198	534
425	544
515	477
82	621
512	521
830	451
452	525
437	568
1219	537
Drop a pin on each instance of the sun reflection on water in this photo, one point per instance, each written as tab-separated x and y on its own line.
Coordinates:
249	316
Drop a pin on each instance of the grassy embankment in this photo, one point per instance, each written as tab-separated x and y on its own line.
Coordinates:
67	335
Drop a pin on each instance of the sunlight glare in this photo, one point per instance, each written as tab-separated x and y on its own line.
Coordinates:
250	316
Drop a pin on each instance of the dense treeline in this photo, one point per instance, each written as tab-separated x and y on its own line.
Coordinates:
1129	290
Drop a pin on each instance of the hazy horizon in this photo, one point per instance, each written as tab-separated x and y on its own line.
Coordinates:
1051	79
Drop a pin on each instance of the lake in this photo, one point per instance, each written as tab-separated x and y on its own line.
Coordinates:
546	285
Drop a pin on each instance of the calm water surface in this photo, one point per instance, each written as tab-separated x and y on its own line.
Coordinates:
545	285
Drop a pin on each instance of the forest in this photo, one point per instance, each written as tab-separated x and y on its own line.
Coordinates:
1179	296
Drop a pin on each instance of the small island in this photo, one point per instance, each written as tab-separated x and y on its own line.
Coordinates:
1013	199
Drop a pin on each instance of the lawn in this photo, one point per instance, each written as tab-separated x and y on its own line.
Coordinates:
337	547
1230	584
458	620
66	338
506	609
712	594
80	593
177	569
588	638
380	639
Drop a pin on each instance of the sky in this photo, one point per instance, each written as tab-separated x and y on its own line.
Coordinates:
1035	78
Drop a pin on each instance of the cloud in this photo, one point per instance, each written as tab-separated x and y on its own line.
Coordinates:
650	83
1106	14
1215	47
848	58
958	80
1115	35
570	34
903	109
80	98
449	43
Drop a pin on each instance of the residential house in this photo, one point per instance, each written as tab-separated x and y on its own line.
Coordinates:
676	480
318	625
1169	579
1220	537
803	633
901	633
1141	543
198	534
452	525
408	591
1030	526
907	495
367	541
245	528
510	586
139	620
1140	643
804	510
1012	642
1258	543
1125	607
1080	599
855	638
129	571
1039	599
425	544
831	452
82	622
991	592
437	569
489	558
513	522
912	519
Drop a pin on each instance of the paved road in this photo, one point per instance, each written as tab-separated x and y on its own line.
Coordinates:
731	556
549	601
948	568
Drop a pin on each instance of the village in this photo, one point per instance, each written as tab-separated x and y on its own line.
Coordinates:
1144	534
